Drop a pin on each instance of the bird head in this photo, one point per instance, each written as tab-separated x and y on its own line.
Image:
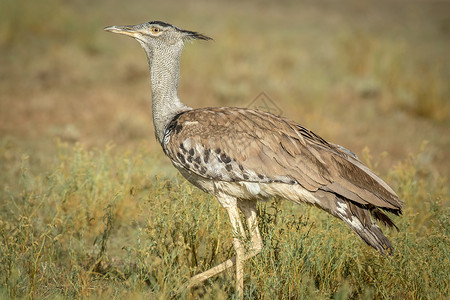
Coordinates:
157	35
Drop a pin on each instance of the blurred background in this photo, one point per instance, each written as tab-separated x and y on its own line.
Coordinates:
369	75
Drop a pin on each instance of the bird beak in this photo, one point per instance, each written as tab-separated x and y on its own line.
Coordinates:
127	30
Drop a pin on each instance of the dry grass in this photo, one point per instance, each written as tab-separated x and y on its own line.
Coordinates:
84	220
98	224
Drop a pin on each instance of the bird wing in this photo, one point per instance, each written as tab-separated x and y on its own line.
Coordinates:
237	144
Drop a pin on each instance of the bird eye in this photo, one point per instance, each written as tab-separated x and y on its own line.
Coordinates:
155	30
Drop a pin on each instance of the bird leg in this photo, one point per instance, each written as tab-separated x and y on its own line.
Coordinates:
248	208
233	213
237	260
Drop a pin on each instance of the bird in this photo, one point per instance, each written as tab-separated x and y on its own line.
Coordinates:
242	156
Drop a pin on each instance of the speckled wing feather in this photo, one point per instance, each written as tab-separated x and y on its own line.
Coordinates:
237	144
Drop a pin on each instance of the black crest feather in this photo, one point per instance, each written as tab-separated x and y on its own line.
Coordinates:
192	35
196	36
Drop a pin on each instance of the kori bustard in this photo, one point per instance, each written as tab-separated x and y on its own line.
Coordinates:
280	159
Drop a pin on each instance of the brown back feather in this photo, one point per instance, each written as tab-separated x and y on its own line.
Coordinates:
262	147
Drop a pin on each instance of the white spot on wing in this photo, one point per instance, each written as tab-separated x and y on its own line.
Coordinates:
199	150
355	223
190	123
252	187
341	207
166	139
187	143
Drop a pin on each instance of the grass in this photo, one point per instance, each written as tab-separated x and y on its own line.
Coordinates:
90	208
97	224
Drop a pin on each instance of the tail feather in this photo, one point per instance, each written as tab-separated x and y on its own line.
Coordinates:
359	220
383	218
374	237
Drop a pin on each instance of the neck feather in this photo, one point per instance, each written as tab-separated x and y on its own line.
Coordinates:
164	72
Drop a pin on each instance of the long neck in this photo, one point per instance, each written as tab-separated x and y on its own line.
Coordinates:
164	71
